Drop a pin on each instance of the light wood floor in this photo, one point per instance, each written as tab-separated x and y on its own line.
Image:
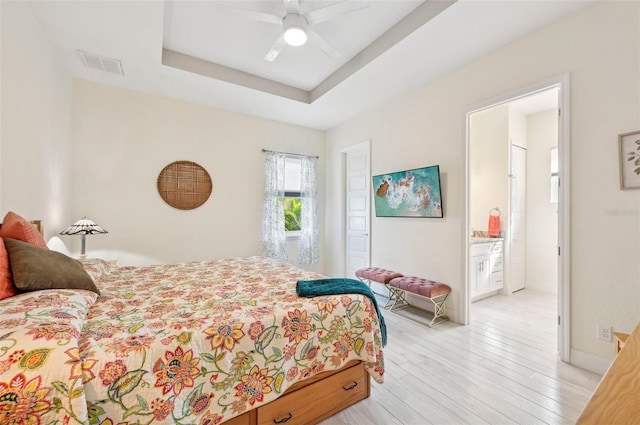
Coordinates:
501	369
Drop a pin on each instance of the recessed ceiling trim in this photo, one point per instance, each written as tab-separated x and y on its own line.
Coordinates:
417	18
420	16
205	68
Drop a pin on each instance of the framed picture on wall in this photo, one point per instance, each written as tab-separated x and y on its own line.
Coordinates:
629	146
410	193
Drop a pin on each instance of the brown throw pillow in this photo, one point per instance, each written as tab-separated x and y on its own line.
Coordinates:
35	268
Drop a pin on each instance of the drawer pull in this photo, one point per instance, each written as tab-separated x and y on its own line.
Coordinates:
350	387
283	420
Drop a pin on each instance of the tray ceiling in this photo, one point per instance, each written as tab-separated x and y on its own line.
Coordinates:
194	51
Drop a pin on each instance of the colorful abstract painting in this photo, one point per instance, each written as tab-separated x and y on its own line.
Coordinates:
411	193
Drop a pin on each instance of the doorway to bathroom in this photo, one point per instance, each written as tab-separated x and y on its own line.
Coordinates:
513	176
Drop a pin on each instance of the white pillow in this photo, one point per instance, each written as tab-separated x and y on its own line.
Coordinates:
56	244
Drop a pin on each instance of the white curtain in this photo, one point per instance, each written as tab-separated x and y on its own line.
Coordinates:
273	240
309	244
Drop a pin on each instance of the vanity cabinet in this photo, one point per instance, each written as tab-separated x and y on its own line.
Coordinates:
485	269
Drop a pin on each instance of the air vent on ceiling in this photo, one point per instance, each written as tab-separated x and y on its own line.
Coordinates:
100	63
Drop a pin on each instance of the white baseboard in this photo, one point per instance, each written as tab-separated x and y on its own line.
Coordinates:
589	362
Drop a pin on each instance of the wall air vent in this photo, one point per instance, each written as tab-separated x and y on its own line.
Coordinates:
100	63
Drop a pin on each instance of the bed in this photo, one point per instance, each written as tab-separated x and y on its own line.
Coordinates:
191	343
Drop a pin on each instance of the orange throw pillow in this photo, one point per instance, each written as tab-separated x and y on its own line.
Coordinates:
16	227
7	288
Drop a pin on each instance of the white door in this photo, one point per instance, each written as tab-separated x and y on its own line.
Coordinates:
517	223
357	189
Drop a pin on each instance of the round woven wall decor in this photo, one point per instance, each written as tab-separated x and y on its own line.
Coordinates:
184	185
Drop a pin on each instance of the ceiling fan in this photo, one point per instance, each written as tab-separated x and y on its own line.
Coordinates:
296	27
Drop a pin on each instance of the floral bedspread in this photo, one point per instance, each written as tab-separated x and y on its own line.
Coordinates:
191	343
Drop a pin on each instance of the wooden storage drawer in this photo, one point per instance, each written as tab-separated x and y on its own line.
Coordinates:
244	419
308	405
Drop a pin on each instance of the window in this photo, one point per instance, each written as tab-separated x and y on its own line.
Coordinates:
292	196
295	177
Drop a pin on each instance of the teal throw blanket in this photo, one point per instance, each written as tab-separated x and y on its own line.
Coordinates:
336	286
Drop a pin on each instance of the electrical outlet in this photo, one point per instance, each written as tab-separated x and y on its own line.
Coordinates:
604	332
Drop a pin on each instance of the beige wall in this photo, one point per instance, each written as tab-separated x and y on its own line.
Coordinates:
126	138
542	215
488	167
35	123
600	48
517	128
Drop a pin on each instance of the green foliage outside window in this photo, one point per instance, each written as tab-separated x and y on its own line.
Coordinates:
292	210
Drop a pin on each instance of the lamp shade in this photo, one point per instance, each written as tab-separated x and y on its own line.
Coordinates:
84	226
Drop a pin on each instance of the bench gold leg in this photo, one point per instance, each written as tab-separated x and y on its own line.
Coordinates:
439	315
399	299
438	302
390	295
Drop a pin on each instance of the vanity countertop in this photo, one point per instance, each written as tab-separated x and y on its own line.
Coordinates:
477	239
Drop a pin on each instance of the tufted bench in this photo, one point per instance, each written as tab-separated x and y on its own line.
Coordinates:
376	274
435	292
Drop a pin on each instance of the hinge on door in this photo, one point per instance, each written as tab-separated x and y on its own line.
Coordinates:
558	320
559	111
558	250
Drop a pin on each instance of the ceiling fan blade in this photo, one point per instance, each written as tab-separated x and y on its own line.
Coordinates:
275	49
292	6
327	48
250	14
329	12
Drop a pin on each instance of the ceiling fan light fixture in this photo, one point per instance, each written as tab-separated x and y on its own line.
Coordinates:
295	36
294	29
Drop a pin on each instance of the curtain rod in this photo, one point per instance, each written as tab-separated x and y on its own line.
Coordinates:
292	154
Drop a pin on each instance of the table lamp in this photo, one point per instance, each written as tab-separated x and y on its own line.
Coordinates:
83	227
